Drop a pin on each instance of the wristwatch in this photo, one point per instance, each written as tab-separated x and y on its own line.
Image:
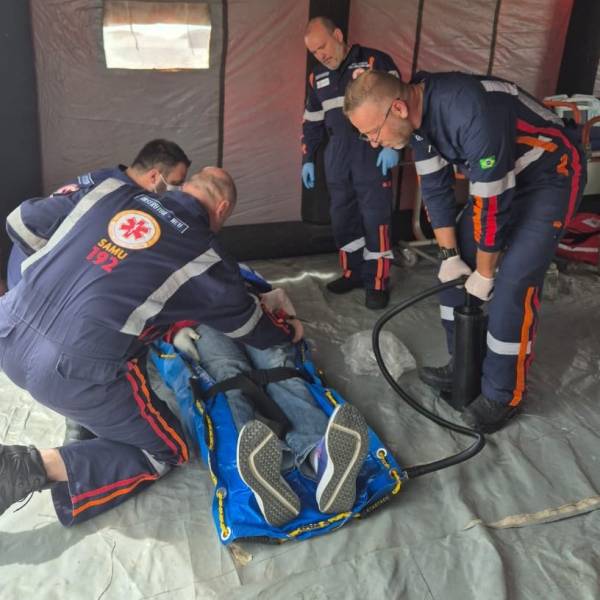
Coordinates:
445	253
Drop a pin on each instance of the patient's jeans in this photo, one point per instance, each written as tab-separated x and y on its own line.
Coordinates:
223	358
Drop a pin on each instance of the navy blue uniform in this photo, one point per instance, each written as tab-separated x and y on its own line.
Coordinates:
361	197
526	175
29	240
119	268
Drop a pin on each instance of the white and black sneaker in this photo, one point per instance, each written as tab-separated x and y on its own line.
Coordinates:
341	454
259	458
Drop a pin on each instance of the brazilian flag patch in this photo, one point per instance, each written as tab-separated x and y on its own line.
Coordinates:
488	162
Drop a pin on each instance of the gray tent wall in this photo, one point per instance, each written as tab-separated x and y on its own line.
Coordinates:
264	95
265	80
94	117
91	116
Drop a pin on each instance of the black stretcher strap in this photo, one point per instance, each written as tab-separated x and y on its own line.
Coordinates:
251	384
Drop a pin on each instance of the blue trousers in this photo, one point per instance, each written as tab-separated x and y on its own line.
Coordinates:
537	222
222	358
138	438
361	208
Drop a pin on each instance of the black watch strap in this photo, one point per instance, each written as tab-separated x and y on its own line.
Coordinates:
447	253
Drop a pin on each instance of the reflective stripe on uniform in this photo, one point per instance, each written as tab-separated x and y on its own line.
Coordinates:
354	245
540	110
15	220
486	189
368	255
136	321
530	103
505	348
250	324
528	158
336	102
430	165
447	313
491	85
314	115
81	208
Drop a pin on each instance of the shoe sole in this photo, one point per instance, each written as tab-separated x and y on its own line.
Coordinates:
259	464
346	441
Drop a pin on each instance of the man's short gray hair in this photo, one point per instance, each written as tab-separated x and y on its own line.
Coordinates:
326	22
216	183
374	86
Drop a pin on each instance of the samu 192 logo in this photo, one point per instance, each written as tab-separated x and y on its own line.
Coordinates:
134	229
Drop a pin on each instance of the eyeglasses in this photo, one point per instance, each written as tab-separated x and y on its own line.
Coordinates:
366	137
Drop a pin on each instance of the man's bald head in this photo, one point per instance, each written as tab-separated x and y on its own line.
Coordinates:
320	23
215	189
215	183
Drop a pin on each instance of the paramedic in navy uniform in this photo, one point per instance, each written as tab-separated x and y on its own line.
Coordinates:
358	176
161	165
526	175
122	265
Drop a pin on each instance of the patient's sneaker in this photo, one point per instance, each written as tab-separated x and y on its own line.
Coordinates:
340	456
343	285
21	473
259	463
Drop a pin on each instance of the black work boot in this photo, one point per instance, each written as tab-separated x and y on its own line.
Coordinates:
487	415
21	473
377	299
343	285
75	432
440	378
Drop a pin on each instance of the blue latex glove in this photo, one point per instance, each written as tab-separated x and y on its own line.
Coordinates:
388	158
308	175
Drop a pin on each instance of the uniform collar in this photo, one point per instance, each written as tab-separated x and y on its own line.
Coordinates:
119	172
350	57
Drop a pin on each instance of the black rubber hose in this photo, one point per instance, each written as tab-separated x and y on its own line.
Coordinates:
477	446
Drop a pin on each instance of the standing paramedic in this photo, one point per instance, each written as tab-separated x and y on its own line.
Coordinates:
526	175
358	177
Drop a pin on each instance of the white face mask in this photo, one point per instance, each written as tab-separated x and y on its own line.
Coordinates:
164	186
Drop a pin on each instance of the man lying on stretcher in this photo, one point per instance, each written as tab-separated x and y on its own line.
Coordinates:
329	451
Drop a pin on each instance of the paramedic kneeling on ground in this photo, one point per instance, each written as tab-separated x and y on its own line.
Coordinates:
330	451
526	175
129	266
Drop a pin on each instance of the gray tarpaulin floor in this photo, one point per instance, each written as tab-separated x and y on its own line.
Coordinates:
517	521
